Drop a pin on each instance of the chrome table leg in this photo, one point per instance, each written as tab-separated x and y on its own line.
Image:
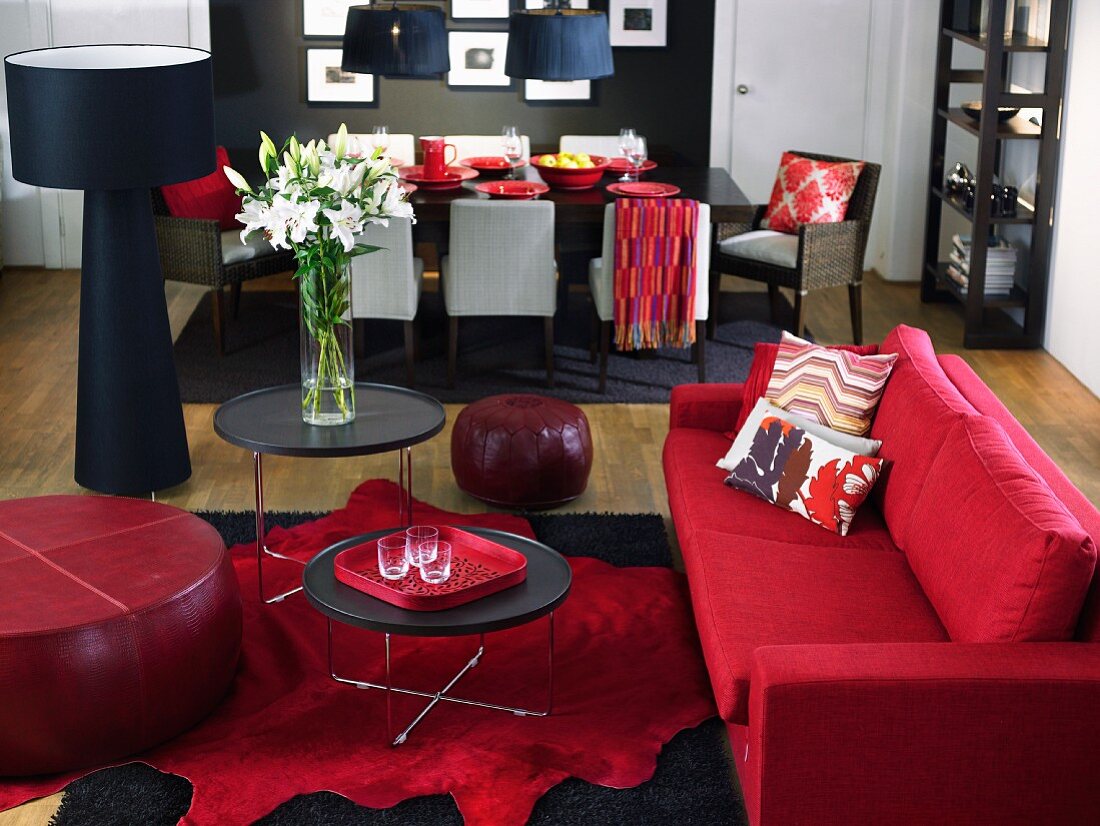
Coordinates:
404	487
261	537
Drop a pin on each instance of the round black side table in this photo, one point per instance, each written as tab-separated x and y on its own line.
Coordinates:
270	421
546	587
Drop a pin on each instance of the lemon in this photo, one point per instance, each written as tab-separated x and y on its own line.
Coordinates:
548	160
582	157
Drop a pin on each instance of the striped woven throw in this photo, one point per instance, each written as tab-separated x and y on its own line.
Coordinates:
836	388
655	272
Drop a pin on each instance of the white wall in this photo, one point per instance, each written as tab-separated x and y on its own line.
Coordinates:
1074	297
43	227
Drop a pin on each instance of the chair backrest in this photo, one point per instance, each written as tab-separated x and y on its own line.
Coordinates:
702	257
607	145
861	205
383	283
474	146
402	146
501	259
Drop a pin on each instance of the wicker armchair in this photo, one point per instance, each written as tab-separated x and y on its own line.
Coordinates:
828	255
191	250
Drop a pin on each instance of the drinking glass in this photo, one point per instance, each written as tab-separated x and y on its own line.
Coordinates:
637	156
435	562
419	538
513	148
626	143
381	137
393	561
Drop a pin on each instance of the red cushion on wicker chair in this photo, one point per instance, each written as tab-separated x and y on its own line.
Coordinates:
522	450
211	197
809	191
120	626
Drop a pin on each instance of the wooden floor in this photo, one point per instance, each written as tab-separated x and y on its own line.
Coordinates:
38	333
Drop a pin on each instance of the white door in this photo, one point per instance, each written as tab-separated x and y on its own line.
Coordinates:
799	81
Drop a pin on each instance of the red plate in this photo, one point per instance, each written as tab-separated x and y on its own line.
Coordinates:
453	177
643	190
513	190
479	567
620	166
490	164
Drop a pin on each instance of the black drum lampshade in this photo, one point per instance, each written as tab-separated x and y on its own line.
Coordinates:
559	44
396	41
116	120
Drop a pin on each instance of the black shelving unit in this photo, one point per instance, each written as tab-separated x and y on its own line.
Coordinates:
1014	320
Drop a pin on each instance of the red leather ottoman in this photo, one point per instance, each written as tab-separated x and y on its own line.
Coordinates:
120	626
522	450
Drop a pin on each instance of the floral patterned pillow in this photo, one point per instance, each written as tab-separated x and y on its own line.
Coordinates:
810	192
783	464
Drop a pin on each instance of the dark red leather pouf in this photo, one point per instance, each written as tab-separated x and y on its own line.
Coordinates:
120	627
522	451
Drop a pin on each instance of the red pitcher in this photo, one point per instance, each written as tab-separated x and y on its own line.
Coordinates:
435	152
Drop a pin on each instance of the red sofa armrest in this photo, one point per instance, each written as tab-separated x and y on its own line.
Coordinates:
705	406
925	733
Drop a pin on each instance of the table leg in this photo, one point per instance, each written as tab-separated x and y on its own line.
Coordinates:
261	537
435	698
404	487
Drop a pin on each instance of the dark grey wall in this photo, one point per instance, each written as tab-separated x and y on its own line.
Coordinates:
259	55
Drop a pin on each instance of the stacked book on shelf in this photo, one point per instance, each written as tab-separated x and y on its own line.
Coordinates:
1000	265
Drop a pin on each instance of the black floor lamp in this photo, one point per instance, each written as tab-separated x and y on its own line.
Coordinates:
116	120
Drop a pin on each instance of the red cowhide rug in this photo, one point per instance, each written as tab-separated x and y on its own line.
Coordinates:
629	676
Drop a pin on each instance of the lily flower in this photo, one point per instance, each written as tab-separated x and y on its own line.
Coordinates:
237	179
347	222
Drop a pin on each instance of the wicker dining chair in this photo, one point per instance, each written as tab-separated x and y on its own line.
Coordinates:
197	251
821	255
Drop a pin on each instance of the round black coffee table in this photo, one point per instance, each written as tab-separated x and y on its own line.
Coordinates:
546	587
270	421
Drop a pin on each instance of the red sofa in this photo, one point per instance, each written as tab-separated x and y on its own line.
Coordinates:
896	675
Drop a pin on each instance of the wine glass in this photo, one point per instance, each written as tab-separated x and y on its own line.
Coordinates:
637	156
513	148
627	137
381	138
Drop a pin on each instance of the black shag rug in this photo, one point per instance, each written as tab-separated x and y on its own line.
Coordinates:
694	784
496	355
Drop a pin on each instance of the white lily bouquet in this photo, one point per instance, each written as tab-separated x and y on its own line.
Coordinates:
316	200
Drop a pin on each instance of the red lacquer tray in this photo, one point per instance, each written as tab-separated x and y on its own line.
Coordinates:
479	567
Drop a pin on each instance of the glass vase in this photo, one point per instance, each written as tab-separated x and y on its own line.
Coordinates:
328	362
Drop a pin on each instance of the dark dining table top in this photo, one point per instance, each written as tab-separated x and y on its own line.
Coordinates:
714	186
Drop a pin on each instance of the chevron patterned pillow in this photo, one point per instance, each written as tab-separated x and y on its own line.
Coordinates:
836	388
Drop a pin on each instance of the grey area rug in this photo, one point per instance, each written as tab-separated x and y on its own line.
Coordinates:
496	355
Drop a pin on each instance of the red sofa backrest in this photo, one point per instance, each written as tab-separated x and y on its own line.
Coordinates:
996	552
982	398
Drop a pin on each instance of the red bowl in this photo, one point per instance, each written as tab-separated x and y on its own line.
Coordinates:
572	178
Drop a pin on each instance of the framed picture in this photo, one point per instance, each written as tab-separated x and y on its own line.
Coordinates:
480	9
477	59
557	90
327	83
565	4
638	22
325	18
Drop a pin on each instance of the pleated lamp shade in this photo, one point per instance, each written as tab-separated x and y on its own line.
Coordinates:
559	44
396	41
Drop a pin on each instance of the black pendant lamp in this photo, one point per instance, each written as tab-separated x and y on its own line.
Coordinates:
405	41
559	44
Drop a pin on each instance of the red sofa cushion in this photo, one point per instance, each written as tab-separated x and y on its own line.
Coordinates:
760	373
1000	558
747	593
918	408
699	501
211	197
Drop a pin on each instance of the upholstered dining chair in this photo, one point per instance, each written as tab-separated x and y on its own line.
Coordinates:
820	255
197	251
385	284
601	282
607	145
474	146
501	263
402	145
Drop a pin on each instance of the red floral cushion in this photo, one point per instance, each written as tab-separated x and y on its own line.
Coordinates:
810	192
211	198
760	373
